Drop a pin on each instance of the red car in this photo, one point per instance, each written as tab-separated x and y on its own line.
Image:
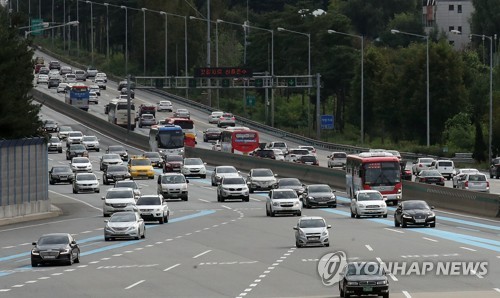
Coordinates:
173	163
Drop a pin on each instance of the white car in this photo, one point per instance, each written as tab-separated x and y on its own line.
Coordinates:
101	75
311	230
129	184
475	182
54	73
445	167
74	137
42	79
278	145
337	159
296	153
217	146
194	167
227	119
117	200
152	207
368	203
421	164
278	154
173	186
164	105
223	171
93	97
460	173
61	88
311	149
70	78
95	88
85	182
231	188
63	132
100	82
91	143
110	159
214	117
81	164
283	201
128	224
261	179
55	144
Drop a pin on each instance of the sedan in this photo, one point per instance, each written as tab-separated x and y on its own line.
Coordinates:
182	113
152	207
308	160
164	105
430	177
292	183
81	164
42	79
115	173
214	117
129	184
368	203
173	163
61	88
155	158
64	131
85	182
93	97
223	171
226	119
55	248
126	224
120	150
76	150
147	120
414	212
55	144
460	173
319	195
91	143
211	134
58	174
50	126
109	159
363	278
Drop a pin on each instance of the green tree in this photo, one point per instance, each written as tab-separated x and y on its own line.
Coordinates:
18	115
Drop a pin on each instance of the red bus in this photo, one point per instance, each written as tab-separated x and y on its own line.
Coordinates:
376	171
242	140
188	128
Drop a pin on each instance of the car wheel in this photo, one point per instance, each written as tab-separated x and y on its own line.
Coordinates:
385	295
396	223
298	244
185	199
352	214
246	199
273	214
222	199
384	216
214	184
70	261
106	215
77	259
51	182
267	212
357	215
143	233
341	290
161	220
107	239
34	264
299	213
75	191
105	181
432	225
97	190
251	190
403	223
97	150
60	150
327	244
204	176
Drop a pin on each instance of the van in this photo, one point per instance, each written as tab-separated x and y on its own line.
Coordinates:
445	167
337	159
81	75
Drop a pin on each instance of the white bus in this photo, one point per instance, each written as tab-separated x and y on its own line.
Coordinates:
166	139
118	113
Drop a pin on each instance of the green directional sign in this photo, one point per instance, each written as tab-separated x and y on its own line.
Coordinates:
36	26
159	83
250	101
291	82
192	83
259	83
225	83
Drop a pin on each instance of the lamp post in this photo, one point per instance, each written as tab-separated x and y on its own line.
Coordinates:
362	78
91	30
166	41
77	30
107	29
394	31
126	38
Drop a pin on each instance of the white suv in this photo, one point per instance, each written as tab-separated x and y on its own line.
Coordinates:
445	167
278	145
74	137
337	159
368	203
232	188
283	201
117	200
261	179
173	186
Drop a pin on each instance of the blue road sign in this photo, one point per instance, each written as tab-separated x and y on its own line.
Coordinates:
326	121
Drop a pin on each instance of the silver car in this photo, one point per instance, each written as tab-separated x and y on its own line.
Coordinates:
232	188
173	186
460	173
55	144
110	159
64	131
223	171
368	203
117	200
214	117
85	182
475	182
283	201
182	113
312	230
122	225
91	143
74	137
261	179
194	167
152	207
131	184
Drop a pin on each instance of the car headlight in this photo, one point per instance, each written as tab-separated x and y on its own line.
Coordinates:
301	233
276	204
399	190
333	198
184	188
310	198
406	215
35	252
361	206
383	205
64	251
108	229
431	214
296	203
325	233
382	282
352	283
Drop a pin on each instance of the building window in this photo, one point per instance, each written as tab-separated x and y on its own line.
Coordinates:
451	28
451	7
459	8
460	29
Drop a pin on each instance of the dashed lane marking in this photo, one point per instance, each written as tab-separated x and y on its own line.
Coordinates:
407	295
467	248
369	247
201	254
171	267
135	284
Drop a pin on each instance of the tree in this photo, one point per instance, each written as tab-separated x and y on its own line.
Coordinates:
18	115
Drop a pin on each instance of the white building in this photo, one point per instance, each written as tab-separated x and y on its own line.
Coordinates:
448	15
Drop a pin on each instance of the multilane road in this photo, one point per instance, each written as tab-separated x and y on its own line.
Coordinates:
231	249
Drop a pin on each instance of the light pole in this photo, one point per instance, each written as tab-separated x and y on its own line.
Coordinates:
126	38
144	40
166	41
91	30
394	31
107	29
73	23
362	78
77	31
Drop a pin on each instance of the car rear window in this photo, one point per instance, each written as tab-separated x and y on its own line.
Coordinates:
339	155
477	178
445	164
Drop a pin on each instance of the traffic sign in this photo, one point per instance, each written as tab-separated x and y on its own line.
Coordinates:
326	121
291	82
223	72
225	83
259	83
250	100
36	26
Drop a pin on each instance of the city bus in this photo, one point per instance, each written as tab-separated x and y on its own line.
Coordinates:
166	139
376	171
188	128
118	113
78	96
239	140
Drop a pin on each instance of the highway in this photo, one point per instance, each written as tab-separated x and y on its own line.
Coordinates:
231	249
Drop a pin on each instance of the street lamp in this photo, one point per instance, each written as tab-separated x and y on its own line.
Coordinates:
73	23
91	30
166	41
394	31
126	38
144	34
362	78
107	29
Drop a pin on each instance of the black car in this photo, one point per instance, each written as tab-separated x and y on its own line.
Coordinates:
155	158
495	168
53	82
308	160
406	170
414	212
319	195
58	174
292	183
55	248
50	126
120	150
54	65
211	134
264	153
115	173
363	278
430	177
76	150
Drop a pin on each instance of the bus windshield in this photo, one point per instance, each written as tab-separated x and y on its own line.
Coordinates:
244	136
170	139
382	173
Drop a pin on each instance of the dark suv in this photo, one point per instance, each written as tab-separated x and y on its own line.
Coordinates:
115	173
495	168
264	153
55	65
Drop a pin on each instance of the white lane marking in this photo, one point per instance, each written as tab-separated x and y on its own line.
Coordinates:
369	247
56	274
171	267
8	246
257	200
44	277
83	202
407	295
4	290
69	270
257	280
197	231
149	245
229	208
466	248
94	262
86	232
27	243
133	285
139	248
262	275
248	290
31	282
169	239
468	229
253	285
188	234
497	289
204	200
18	286
199	255
105	259
392	230
429	239
159	242
83	266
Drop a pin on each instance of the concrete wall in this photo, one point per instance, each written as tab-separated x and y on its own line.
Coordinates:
23	177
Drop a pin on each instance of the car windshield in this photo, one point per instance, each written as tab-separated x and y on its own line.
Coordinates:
76	147
116	149
262	173
290	182
193	162
319	188
85	177
312	223
129	183
111	156
217	114
445	164
80	160
226	170
235	180
213	130
174	158
364	269
54	140
140	162
119	194
409	205
430	173
284	194
75	134
300	152
61	169
122	217
147	116
477	178
49	240
154	155
89	139
182	111
369	196
115	168
279	145
153	200
173	179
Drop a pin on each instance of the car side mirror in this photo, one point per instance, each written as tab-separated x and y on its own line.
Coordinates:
295	228
106	221
73	242
334	190
102	198
275	175
33	243
385	198
328	226
432	207
187	181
